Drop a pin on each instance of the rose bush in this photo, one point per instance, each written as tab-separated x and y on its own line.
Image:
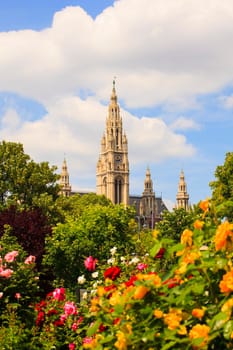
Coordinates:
139	302
186	307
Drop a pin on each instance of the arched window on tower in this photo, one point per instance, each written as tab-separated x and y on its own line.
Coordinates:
118	190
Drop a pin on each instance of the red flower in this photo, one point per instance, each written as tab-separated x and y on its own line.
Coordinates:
131	281
160	253
112	272
102	328
109	289
40	318
171	282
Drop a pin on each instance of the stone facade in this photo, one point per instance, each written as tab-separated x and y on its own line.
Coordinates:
112	173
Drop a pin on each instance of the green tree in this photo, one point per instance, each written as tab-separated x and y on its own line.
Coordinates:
174	223
97	230
222	188
21	179
73	206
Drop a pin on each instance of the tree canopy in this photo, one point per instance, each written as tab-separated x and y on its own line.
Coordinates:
22	179
222	187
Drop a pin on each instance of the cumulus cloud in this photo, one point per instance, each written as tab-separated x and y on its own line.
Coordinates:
162	51
183	123
74	127
227	101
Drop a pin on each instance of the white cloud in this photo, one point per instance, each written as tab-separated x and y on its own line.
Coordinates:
161	51
227	101
183	124
75	127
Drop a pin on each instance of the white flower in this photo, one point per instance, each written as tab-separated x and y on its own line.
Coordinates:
93	291
95	274
84	295
111	261
123	259
113	250
135	260
81	279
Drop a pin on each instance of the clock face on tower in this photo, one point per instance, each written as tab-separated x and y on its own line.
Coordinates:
118	158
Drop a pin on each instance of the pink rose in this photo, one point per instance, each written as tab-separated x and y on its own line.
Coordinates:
17	295
74	326
9	257
1	295
70	308
59	294
141	266
6	273
63	318
71	346
30	259
90	263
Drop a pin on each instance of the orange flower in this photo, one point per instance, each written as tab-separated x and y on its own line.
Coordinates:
173	318
191	257
140	292
198	313
226	284
186	237
151	277
198	224
200	331
121	343
204	205
227	307
158	313
223	235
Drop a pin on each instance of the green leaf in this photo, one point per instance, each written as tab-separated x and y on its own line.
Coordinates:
228	329
93	329
155	249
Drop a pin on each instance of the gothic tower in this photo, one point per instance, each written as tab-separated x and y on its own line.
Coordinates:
112	173
182	197
64	181
148	207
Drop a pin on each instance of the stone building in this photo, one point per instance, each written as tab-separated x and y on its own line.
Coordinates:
182	197
112	173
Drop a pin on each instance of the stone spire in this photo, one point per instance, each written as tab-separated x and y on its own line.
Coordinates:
182	197
148	208
64	181
112	172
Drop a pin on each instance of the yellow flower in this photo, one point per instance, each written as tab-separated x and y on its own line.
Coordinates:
204	205
198	313
186	237
227	307
121	343
173	318
223	234
115	298
155	233
200	331
198	224
158	313
182	269
226	284
191	257
94	304
182	330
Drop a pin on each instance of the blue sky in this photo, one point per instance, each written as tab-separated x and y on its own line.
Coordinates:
173	62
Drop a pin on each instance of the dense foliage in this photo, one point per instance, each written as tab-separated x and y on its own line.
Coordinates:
21	179
222	187
94	232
